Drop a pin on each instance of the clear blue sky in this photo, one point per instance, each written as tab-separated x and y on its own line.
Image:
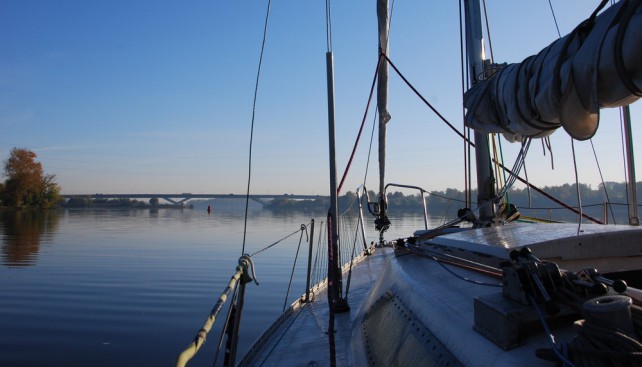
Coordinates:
156	96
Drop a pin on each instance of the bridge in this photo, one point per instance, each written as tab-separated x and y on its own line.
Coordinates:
181	199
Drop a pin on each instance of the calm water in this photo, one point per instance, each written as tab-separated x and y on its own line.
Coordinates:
109	287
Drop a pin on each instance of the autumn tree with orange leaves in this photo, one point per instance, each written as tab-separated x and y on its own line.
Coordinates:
26	185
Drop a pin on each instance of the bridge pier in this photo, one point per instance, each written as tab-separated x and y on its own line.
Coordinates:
259	200
176	202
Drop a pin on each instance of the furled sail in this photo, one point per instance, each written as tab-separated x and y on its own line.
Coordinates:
598	65
382	86
383	17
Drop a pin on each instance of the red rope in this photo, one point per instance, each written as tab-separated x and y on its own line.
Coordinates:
363	122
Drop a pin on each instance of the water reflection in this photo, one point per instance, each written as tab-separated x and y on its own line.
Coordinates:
22	231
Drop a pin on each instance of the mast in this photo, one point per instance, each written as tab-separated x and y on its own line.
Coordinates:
475	50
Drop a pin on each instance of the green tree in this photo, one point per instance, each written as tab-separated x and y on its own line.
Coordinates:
26	184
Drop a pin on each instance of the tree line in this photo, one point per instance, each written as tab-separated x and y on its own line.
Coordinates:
26	184
527	201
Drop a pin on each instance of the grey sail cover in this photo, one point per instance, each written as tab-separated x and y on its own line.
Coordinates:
382	87
598	65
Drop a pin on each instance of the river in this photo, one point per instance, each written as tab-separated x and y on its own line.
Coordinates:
133	287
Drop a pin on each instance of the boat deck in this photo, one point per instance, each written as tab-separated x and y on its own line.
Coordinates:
408	309
301	338
609	248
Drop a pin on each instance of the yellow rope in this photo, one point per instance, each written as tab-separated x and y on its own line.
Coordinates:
525	218
193	348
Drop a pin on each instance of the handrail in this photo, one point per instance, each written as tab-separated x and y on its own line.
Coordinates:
423	198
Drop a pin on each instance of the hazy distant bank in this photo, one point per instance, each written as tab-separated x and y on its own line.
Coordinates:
446	203
439	203
87	202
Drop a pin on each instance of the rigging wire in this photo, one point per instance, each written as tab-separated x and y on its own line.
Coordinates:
515	173
412	87
490	42
517	166
328	25
392	9
501	156
546	145
528	188
467	185
466	137
606	192
559	35
499	182
468	141
256	90
626	172
446	197
303	227
363	122
551	197
577	186
321	256
374	124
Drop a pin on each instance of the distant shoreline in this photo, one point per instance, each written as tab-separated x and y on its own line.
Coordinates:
85	202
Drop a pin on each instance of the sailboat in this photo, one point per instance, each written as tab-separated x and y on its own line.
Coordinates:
497	292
